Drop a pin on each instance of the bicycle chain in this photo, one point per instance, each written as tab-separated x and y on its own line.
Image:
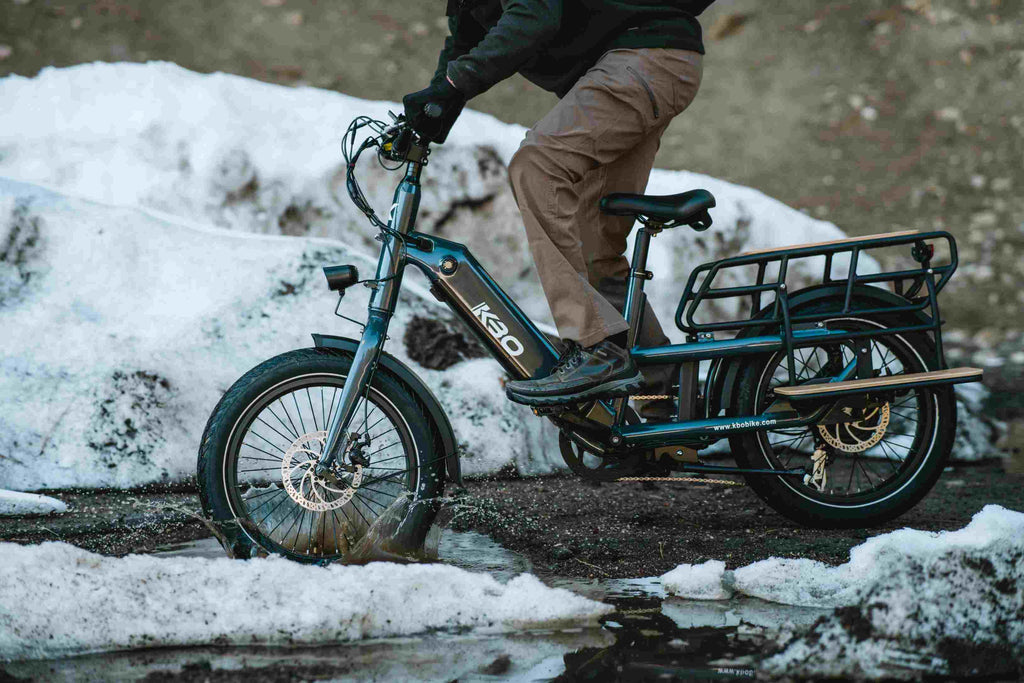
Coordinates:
695	480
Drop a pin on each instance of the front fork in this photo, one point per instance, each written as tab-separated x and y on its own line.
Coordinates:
386	285
356	384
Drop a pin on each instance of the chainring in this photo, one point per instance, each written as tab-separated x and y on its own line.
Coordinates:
314	492
573	454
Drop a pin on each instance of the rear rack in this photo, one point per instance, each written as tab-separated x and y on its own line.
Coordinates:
917	287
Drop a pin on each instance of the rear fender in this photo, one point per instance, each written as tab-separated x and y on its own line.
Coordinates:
423	393
721	393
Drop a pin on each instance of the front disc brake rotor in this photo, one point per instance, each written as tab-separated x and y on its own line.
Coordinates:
855	437
313	492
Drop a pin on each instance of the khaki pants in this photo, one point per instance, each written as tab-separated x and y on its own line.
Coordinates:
600	138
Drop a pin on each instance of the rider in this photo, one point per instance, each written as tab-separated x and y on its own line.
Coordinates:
622	70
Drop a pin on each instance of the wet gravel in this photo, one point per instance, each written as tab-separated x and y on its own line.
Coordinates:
572	528
114	522
563	525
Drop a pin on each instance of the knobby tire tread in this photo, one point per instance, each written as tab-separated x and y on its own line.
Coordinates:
230	406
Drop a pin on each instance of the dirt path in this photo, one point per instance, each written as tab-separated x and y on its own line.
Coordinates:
565	526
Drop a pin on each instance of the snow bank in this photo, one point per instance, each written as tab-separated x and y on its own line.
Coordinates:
907	602
256	157
949	603
122	331
125	325
17	503
814	584
810	583
697	581
145	601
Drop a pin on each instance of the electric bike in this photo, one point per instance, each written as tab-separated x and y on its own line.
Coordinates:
835	398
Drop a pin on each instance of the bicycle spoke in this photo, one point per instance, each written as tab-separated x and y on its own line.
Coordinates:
290	441
262	451
291	430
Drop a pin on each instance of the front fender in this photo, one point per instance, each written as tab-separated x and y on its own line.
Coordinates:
423	393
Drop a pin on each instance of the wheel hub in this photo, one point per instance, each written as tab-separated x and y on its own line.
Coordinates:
310	490
858	436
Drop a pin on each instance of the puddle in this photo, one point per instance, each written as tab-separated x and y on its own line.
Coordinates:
651	636
431	658
464	549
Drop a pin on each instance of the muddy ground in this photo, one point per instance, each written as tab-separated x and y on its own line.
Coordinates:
565	526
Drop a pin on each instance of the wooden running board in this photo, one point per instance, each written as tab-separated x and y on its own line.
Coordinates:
856	386
845	240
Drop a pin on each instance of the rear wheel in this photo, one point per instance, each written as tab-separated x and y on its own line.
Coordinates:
256	462
880	463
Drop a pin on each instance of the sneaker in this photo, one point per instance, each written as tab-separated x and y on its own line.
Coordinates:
600	371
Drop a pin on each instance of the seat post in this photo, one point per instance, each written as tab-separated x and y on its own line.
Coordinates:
638	275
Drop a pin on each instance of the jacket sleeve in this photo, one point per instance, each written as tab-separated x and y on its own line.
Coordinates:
524	27
464	34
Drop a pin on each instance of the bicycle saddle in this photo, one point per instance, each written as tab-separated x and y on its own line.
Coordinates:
690	208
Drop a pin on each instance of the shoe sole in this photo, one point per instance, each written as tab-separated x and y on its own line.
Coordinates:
615	389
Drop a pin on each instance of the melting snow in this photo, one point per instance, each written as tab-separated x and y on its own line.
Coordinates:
697	581
17	503
145	601
907	601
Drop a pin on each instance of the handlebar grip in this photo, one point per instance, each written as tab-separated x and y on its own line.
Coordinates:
433	110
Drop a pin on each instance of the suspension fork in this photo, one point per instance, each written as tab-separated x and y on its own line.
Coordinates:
388	283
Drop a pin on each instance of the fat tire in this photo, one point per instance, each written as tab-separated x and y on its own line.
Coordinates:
748	451
231	407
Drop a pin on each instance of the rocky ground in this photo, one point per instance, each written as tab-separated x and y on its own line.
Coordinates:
565	526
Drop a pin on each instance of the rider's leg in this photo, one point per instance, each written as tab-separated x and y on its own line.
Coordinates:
611	110
605	243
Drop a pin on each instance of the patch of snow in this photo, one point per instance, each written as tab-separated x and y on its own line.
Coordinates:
908	602
697	581
949	603
16	503
815	584
145	601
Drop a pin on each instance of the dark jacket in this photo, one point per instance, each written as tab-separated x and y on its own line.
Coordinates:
553	42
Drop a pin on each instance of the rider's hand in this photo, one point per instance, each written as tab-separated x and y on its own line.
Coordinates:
441	93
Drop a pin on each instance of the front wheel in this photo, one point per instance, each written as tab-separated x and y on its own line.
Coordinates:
879	464
257	457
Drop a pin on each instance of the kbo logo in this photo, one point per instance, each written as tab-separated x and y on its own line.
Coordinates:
498	329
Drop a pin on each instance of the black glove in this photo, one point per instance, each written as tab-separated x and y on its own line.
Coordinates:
441	93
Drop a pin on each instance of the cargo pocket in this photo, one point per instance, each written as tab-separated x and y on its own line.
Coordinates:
647	88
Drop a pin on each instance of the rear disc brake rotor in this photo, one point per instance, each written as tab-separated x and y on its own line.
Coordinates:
305	487
855	437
